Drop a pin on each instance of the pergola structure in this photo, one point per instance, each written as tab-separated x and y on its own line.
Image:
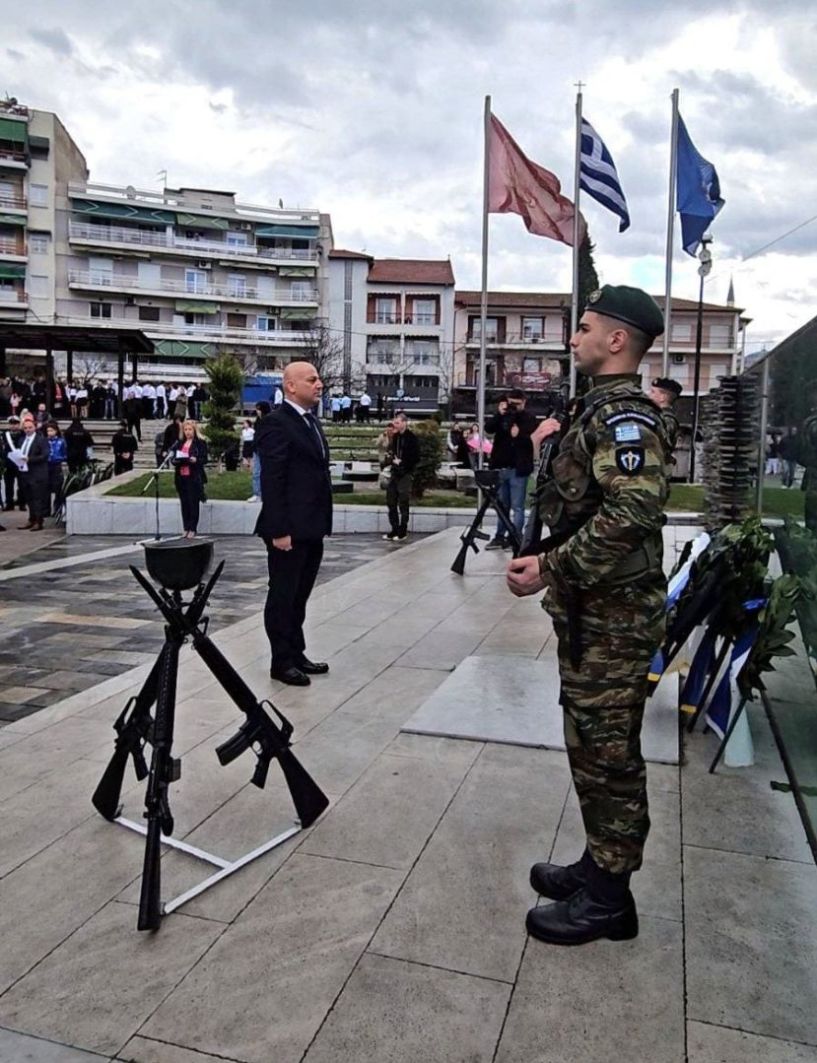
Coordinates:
71	338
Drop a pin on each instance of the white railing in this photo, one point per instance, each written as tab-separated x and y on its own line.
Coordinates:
8	201
214	333
10	246
196	203
116	234
101	279
13	295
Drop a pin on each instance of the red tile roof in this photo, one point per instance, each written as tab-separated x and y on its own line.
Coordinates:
338	252
411	271
560	299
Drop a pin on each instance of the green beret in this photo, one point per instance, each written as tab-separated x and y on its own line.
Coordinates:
665	384
630	305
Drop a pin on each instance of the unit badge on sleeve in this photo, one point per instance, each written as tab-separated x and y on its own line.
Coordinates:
630	460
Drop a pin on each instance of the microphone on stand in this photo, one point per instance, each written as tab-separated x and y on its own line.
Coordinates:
163	467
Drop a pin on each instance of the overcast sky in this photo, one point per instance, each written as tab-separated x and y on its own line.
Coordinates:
371	110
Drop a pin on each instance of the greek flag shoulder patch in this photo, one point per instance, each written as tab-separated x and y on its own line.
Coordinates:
627	433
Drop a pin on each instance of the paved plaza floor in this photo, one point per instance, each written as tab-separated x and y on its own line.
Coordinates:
393	930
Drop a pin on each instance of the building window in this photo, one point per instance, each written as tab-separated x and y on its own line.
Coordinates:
301	291
716	371
195	280
384	350
385	311
531	365
102	310
236	320
424	312
236	239
720	335
148	313
198	320
682	332
38	195
237	285
38	244
37	286
491	329
264	323
423	352
533	328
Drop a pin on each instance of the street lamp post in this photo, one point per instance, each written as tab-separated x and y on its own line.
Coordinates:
705	256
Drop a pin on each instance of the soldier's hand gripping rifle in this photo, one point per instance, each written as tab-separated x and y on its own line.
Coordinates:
259	732
532	532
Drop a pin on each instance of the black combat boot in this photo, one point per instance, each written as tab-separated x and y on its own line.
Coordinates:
603	908
558	882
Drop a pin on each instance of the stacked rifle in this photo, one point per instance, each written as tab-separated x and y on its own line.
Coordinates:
136	728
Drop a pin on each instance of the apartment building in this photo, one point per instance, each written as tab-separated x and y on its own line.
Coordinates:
393	320
198	271
38	159
526	337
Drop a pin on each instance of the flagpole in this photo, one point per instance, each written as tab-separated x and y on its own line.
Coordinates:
673	153
574	302
483	308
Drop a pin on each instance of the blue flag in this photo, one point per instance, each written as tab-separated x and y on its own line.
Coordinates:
598	176
698	191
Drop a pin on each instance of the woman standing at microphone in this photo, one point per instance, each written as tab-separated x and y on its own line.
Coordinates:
189	456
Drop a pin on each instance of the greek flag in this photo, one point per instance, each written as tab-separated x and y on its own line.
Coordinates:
598	176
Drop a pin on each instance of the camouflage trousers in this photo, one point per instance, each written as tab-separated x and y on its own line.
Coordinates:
811	506
603	705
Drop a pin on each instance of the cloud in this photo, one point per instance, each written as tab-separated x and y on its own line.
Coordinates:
55	39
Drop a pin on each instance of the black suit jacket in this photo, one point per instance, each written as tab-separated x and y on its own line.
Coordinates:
296	489
37	460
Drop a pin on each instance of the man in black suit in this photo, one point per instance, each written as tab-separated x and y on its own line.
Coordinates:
34	473
296	514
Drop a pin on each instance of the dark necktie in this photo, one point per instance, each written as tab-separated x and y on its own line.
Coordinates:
314	427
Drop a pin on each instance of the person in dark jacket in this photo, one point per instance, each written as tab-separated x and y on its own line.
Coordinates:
34	474
512	456
173	433
189	457
57	454
77	441
402	455
124	446
10	440
296	515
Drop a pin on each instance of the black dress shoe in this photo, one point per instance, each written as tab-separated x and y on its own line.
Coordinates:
558	882
581	919
312	667
292	676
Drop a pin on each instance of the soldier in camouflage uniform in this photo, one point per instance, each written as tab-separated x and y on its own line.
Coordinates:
664	393
807	457
605	591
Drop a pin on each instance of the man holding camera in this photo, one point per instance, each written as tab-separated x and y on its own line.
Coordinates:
512	456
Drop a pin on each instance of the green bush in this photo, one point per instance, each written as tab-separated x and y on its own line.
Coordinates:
226	381
431	453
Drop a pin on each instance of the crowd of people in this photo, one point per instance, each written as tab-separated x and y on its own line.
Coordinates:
99	399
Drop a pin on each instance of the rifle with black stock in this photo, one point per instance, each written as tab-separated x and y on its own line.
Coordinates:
488	483
259	732
164	770
134	724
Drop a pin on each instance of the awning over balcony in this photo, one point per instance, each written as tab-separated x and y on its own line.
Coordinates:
11	272
16	132
183	349
193	306
293	313
12	219
296	271
122	212
198	221
294	232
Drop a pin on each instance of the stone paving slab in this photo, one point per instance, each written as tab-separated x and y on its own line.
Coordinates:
516	700
717	1044
289	955
20	1048
401	1013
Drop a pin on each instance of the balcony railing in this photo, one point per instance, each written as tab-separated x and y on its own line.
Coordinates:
12	201
80	278
13	155
409	359
13	295
500	339
10	246
82	232
215	332
421	319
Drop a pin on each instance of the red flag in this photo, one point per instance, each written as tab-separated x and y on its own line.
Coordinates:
518	186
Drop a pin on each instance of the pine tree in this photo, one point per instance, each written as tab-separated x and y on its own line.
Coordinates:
226	380
588	278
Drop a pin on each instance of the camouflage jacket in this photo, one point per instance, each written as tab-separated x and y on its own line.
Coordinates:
671	428
605	502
